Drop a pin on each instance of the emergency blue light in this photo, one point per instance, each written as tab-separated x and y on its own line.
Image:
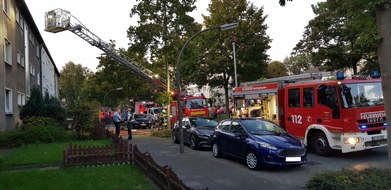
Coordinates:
385	123
363	127
340	75
375	74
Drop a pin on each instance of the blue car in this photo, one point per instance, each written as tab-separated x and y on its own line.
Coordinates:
258	142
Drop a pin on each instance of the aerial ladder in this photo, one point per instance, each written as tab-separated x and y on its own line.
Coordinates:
59	20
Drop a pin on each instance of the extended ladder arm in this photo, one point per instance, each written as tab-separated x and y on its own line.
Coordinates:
59	20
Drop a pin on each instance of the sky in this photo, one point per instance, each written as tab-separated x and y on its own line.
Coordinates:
110	21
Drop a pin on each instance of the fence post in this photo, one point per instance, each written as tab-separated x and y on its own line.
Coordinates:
168	176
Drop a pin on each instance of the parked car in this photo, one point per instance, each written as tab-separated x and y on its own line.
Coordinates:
258	142
141	121
197	131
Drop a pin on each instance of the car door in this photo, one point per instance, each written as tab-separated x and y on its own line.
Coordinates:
239	141
186	130
233	142
222	136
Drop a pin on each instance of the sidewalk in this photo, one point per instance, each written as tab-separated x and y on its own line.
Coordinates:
198	169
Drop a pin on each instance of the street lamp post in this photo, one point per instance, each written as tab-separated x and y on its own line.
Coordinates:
104	99
222	27
233	40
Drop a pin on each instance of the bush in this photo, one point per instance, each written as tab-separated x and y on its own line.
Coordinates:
38	121
84	118
369	178
166	133
36	134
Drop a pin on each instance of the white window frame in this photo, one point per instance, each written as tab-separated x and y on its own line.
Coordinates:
37	48
22	61
17	15
8	101
18	57
38	79
19	99
7	52
23	99
7	7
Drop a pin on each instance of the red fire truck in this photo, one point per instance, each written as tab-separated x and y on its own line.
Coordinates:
142	106
339	114
196	105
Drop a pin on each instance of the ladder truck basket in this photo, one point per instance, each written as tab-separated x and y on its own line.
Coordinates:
57	20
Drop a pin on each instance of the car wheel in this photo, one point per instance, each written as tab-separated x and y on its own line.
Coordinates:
252	160
174	138
216	151
193	142
320	145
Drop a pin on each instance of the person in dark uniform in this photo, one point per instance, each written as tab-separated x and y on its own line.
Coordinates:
129	119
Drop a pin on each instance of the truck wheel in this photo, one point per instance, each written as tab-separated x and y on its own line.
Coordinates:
320	145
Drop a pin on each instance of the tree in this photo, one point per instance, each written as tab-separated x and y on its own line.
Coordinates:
383	15
162	29
71	82
276	69
336	40
42	106
297	64
213	64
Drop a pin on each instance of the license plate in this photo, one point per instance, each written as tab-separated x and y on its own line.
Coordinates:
293	159
143	124
377	138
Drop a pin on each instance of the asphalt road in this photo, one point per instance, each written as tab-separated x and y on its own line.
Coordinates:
198	169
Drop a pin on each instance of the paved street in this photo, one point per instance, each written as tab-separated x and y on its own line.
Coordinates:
199	169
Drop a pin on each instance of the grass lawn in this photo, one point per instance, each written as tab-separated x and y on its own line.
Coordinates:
125	176
36	154
116	177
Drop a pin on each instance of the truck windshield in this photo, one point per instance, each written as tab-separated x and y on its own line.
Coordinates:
196	103
361	95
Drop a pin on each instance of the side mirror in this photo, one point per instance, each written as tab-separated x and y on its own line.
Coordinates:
187	126
238	135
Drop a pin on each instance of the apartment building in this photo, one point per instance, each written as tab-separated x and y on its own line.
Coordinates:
25	62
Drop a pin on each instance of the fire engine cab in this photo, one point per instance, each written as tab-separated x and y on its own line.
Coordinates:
195	105
334	114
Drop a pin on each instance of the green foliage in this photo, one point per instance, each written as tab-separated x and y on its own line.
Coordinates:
276	69
71	82
298	64
164	98
38	121
166	133
84	117
350	179
36	134
39	106
117	177
342	34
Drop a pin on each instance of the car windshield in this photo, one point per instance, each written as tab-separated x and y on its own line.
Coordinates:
158	110
361	95
260	127
196	103
139	116
202	122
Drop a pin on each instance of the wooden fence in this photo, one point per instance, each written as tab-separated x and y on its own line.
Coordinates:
123	152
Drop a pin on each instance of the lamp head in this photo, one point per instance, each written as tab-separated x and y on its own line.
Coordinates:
229	26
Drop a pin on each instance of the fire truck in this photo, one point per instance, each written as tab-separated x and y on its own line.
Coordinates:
327	114
193	105
143	106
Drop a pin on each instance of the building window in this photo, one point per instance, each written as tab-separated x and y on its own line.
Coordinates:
32	70
7	52
8	101
37	48
19	99
18	57
7	6
17	15
22	60
23	99
38	79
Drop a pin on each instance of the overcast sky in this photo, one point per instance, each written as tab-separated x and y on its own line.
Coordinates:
110	21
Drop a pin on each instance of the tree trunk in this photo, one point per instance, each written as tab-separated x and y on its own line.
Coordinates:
383	17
